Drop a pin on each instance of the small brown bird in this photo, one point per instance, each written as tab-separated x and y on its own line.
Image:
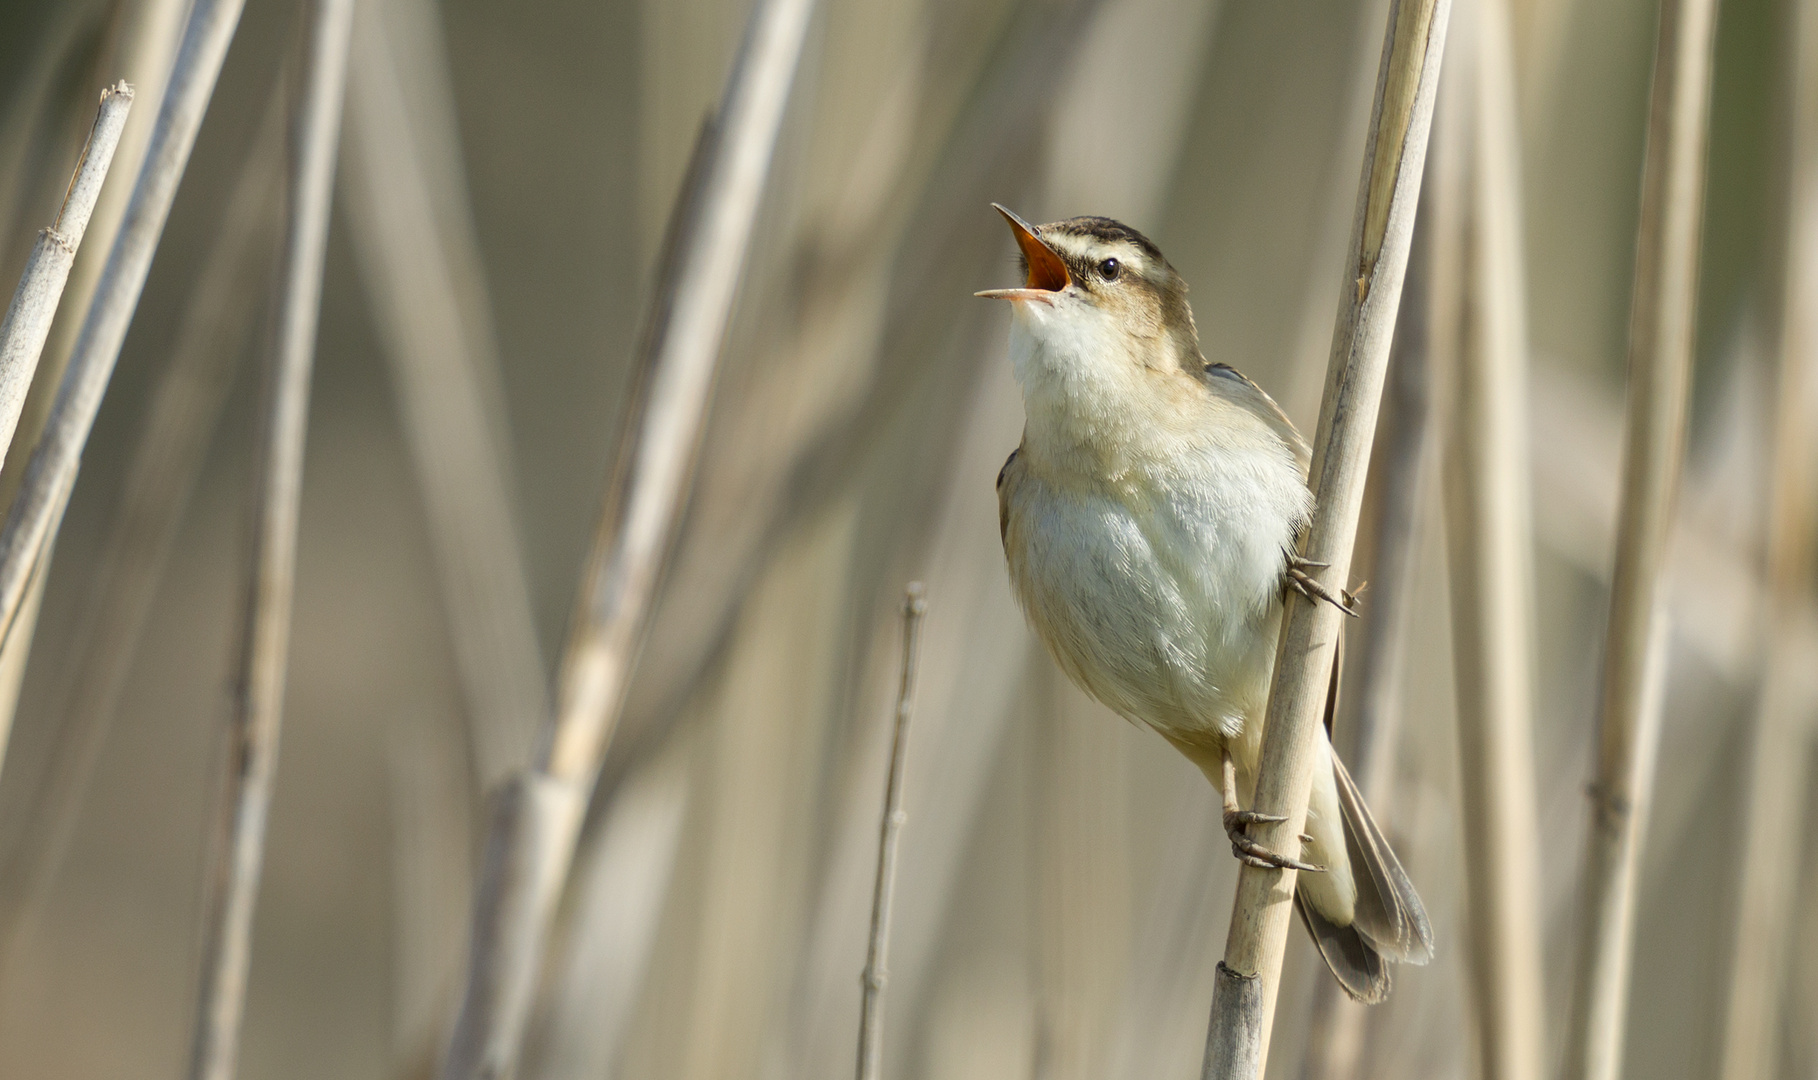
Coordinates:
1150	519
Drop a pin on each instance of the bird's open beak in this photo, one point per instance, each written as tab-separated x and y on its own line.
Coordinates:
1047	273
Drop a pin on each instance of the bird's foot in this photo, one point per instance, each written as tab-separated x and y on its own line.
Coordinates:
1255	854
1305	584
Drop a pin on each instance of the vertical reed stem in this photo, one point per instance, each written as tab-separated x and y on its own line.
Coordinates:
877	956
28	319
1243	998
1662	314
1482	347
165	464
531	840
51	475
428	293
315	129
1371	711
1773	798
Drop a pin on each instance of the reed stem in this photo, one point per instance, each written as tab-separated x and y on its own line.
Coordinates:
1482	345
165	464
877	956
1661	317
1774	787
429	297
28	319
51	475
1243	998
531	839
258	707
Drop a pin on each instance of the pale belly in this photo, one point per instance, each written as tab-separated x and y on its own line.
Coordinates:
1167	612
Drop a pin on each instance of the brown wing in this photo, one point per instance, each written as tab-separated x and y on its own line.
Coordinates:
1004	482
1232	383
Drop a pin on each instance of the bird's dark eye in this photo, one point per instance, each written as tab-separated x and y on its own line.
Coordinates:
1109	269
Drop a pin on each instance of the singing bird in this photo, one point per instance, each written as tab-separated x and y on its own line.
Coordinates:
1150	519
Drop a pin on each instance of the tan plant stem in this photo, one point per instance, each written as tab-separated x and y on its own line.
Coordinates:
57	456
1661	318
877	956
1773	790
1481	349
140	47
28	322
531	841
1243	999
1371	707
140	50
159	480
315	130
28	319
429	298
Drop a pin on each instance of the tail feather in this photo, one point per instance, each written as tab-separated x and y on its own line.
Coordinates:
1389	912
1358	967
1388	922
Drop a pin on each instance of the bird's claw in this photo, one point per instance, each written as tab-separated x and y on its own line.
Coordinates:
1309	587
1254	854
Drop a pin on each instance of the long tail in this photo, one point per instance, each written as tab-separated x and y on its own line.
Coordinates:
1389	922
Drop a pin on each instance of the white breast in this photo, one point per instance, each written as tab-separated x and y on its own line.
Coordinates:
1160	594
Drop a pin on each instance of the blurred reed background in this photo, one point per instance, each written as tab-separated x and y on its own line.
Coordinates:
505	177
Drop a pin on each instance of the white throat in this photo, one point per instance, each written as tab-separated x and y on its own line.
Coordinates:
1090	400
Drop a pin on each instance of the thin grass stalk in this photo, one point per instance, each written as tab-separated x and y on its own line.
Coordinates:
430	300
877	956
531	839
1663	310
51	475
140	47
162	474
27	326
28	319
1371	709
1773	799
621	890
1482	338
1243	999
142	54
13	661
315	130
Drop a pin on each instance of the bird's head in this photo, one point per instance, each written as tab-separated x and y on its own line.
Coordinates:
1101	321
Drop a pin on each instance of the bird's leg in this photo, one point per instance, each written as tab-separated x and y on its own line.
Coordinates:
1236	822
1304	583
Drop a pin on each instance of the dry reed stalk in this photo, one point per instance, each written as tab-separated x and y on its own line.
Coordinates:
877	955
51	474
531	839
141	53
140	49
1482	348
28	319
429	295
1371	709
1243	999
28	322
160	479
1662	313
892	284
315	133
878	269
621	891
1774	788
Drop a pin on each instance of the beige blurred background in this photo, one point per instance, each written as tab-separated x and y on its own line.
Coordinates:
1064	885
